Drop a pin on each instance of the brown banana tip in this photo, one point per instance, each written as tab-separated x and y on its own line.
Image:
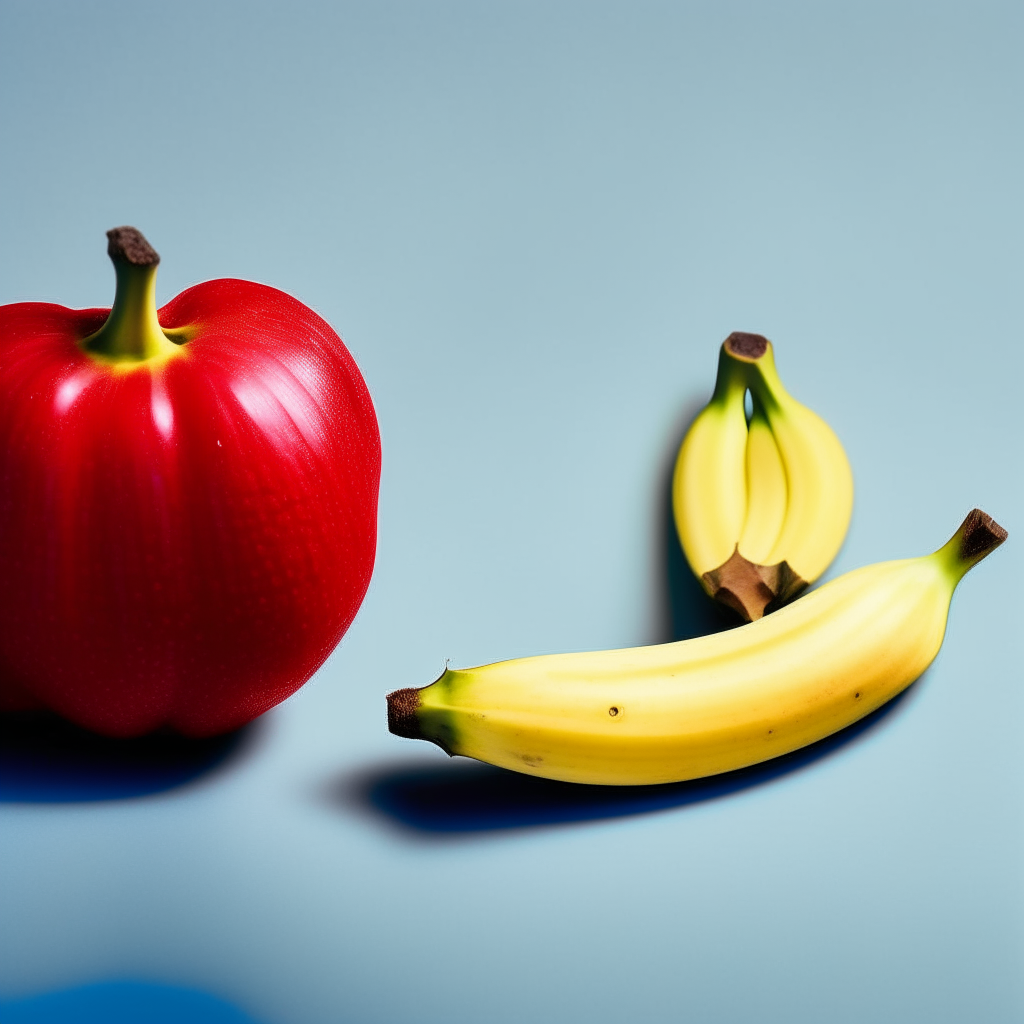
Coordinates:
402	717
128	245
746	346
980	533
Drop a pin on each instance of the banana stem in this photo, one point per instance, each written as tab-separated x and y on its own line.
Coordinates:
752	590
422	714
732	378
751	357
402	717
978	536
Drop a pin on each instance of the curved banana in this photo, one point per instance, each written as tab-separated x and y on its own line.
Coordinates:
712	704
797	493
819	483
767	493
709	487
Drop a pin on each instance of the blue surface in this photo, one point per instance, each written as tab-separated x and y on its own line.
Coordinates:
534	224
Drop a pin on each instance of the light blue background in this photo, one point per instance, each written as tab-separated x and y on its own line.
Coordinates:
533	225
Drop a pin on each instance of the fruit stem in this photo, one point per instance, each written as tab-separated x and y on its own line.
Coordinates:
979	534
752	354
402	713
752	590
748	347
132	332
413	714
731	378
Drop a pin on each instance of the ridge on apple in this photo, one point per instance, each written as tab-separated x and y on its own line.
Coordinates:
188	501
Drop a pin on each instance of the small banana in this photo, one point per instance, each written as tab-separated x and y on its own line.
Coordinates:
761	508
709	486
711	704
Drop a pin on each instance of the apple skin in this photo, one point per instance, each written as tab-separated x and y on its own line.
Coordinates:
183	541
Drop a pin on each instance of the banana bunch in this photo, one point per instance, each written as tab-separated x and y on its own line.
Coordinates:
761	507
714	703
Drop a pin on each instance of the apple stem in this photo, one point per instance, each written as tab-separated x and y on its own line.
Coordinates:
132	332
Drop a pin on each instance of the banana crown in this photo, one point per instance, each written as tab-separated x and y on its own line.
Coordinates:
761	505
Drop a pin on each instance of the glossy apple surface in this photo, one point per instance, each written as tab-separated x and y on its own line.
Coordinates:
184	536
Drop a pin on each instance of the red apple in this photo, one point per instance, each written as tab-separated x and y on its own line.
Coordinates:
188	501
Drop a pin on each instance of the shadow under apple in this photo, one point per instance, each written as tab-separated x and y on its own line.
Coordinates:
44	759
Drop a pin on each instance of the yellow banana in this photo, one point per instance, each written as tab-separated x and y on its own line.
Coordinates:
767	495
819	483
709	486
711	704
797	492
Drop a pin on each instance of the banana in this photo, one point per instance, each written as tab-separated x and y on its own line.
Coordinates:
709	487
819	482
761	509
711	704
766	488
